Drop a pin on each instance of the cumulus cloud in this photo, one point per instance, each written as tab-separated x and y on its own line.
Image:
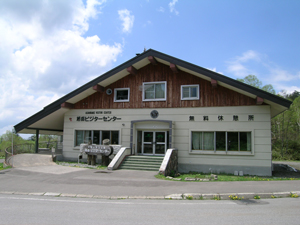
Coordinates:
127	19
172	7
44	53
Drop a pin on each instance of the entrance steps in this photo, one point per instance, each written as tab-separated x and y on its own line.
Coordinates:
149	163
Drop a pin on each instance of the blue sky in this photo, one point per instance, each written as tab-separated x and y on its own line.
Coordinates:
49	48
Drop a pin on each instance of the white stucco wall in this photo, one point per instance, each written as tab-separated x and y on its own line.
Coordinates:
258	160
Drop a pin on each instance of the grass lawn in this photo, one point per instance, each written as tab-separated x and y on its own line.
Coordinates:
223	177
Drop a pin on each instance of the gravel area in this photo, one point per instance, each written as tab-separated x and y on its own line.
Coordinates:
294	164
286	169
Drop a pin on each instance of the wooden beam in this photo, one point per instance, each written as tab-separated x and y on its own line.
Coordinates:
132	70
259	100
67	105
174	68
152	60
98	88
214	83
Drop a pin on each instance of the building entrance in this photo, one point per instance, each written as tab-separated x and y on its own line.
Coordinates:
154	142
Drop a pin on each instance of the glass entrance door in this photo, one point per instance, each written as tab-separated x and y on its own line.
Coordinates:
154	142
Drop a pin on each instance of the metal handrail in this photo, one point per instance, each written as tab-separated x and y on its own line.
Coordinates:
27	148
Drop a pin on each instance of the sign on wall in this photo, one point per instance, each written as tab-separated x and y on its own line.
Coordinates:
96	118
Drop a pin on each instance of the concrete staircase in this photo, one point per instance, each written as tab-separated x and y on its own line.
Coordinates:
150	163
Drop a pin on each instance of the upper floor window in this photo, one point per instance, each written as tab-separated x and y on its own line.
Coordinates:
155	91
190	92
122	94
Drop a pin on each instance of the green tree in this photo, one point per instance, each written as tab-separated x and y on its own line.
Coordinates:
286	133
255	82
291	96
6	141
285	127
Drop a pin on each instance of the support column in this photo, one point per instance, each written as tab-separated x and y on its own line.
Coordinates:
37	134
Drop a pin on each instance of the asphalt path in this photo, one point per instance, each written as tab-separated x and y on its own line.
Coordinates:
61	179
50	210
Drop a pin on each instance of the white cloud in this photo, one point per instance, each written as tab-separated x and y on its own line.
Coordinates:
148	23
44	54
161	9
127	20
172	7
215	70
287	89
237	67
250	62
283	75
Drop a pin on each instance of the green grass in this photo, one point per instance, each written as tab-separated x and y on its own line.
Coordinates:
75	164
225	177
1	167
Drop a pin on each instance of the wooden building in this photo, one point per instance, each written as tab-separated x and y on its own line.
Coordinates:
154	102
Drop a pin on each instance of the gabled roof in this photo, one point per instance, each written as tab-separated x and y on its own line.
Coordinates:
50	120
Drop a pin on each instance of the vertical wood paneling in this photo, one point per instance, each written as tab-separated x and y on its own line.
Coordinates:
209	96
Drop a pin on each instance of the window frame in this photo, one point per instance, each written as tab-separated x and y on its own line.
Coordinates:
226	151
155	99
190	86
121	89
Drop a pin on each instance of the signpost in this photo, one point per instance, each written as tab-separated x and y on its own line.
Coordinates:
93	150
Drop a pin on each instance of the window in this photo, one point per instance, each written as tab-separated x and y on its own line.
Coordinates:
122	94
154	91
95	137
189	92
221	141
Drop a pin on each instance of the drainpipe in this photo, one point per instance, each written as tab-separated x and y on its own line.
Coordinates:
37	141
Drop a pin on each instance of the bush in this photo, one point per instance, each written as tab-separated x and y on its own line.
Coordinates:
292	153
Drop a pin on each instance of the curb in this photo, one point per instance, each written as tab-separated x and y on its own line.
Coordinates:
185	196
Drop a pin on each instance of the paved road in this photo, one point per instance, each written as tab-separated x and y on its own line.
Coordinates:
60	179
42	210
48	177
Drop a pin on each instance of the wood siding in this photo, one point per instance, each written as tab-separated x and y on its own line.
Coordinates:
209	96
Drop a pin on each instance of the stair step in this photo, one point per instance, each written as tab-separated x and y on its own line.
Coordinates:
138	168
150	163
142	165
142	161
